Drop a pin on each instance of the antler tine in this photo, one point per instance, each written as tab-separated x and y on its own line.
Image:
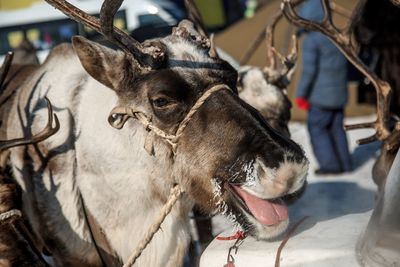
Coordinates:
5	67
273	74
269	40
146	56
283	76
48	131
343	42
327	20
107	13
290	60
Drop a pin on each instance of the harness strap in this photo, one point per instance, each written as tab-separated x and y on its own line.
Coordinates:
120	114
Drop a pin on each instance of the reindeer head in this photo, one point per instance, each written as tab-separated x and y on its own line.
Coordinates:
218	148
271	100
266	89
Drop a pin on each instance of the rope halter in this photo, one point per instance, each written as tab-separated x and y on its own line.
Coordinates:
120	114
8	214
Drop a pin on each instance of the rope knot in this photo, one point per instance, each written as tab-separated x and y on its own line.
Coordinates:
8	214
119	115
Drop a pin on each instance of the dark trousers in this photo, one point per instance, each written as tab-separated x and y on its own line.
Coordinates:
328	139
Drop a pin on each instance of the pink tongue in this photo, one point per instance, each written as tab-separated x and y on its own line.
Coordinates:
267	212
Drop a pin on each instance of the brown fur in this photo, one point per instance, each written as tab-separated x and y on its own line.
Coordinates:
16	243
253	86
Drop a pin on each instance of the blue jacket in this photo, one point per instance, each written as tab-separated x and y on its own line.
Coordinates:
324	74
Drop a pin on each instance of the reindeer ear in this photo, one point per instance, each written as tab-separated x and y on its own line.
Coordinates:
103	64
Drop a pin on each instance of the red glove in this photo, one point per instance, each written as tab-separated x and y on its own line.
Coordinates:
302	103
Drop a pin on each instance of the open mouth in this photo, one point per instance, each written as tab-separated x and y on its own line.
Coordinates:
268	212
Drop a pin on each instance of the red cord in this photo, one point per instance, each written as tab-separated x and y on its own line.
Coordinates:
239	234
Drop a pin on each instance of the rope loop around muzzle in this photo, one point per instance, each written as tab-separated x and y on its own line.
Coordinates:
120	114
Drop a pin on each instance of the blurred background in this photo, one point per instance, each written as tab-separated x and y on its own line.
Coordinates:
236	23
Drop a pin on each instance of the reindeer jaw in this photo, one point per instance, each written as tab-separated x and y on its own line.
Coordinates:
256	198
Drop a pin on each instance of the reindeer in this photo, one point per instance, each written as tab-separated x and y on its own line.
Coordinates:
265	89
17	244
93	190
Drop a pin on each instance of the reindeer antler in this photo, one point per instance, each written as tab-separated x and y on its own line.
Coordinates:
273	74
147	56
5	67
48	131
343	42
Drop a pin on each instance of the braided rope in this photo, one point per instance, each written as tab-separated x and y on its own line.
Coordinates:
176	193
196	107
8	214
118	117
124	113
127	112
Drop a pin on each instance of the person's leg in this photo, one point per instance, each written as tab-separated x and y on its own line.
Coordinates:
319	122
340	140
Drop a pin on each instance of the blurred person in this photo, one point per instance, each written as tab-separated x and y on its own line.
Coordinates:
322	91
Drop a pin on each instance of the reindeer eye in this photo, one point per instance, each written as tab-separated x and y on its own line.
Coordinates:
161	102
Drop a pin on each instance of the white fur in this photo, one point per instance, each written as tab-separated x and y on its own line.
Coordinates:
257	92
114	179
274	183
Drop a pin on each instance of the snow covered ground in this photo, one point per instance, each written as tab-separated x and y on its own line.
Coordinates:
343	200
